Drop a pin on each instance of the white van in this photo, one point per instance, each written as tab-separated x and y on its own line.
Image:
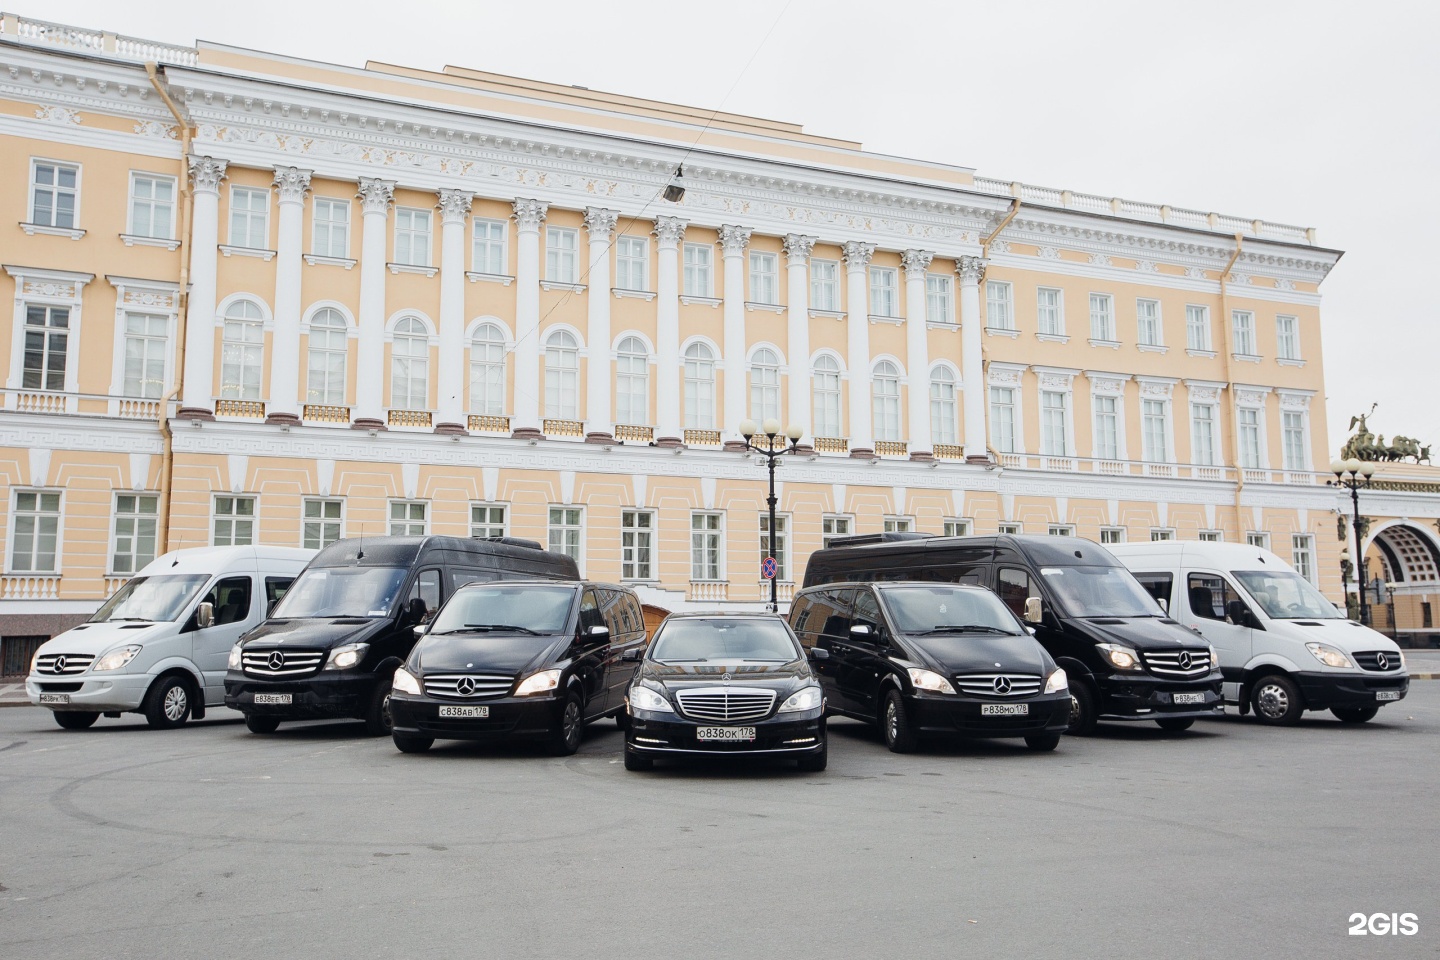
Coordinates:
159	646
1283	647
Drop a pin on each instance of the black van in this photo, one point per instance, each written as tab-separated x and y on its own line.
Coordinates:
529	659
1124	658
329	647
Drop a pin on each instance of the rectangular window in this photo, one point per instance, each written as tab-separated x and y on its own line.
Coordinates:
698	278
234	522
330	234
136	519
1244	326
780	546
1107	428
1158	533
47	342
152	206
561	244
1147	318
630	254
1102	317
999	306
147	345
825	285
1013	529
1202	434
35	536
249	217
899	524
1302	555
1257	538
705	530
412	236
1002	418
884	295
939	298
54	194
1112	534
637	545
1060	530
488	255
1048	317
1155	417
321	523
409	518
1427	618
1197	327
487	520
1293	434
958	527
1211	536
764	283
1287	338
832	527
1249	438
565	526
1054	423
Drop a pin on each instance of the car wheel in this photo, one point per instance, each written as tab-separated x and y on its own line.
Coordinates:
377	713
76	719
261	724
814	762
1175	724
638	761
1276	700
895	725
569	727
408	744
168	704
1083	715
622	719
1043	742
1354	714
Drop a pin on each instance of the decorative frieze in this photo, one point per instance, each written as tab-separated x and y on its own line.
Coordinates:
1106	384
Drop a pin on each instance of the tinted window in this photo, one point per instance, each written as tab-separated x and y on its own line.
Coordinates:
590	615
1014	588
866	612
458	578
836	610
275	588
427	588
1098	592
728	638
1158	585
231	598
1210	596
342	592
615	612
800	609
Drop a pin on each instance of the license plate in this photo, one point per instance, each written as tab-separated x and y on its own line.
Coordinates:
724	733
469	713
279	698
54	698
1005	709
1379	695
1184	698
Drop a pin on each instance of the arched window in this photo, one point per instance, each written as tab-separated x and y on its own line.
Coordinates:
328	346
699	387
886	385
562	377
827	396
410	366
632	382
943	416
765	385
242	351
487	371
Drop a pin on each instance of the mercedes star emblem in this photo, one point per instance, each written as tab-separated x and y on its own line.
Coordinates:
1382	661
277	659
465	686
1002	685
60	664
725	678
1184	659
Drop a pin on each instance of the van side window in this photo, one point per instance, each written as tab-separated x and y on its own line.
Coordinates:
275	588
867	613
458	578
590	615
427	588
614	612
835	608
1015	587
1158	585
231	598
1210	596
800	615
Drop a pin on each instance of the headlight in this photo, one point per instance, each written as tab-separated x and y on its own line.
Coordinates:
116	659
542	682
643	698
1121	658
34	660
234	663
1057	681
404	682
347	656
808	698
1214	658
929	680
1328	655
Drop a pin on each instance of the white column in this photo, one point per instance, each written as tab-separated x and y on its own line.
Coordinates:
972	367
857	321
375	197
917	351
669	368
291	185
599	424
198	397
797	305
450	377
733	241
529	214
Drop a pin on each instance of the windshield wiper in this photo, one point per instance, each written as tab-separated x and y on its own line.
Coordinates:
766	660
130	620
685	660
490	628
966	628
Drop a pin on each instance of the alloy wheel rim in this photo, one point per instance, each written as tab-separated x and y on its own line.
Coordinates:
1274	701
385	717
176	703
572	721
1074	710
892	721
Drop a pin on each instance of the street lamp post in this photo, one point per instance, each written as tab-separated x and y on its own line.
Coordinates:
1353	475
763	440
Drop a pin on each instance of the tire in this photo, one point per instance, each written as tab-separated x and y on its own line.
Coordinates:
377	711
168	703
622	720
814	762
569	727
76	719
1083	712
638	761
261	724
1276	700
1176	724
408	744
895	724
1043	742
1354	714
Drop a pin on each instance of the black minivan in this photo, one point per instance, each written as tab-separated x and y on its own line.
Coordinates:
1124	657
523	659
329	647
931	658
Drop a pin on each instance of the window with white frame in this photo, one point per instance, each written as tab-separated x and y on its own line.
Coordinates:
832	526
1060	530
1161	533
764	274
330	228
1287	338
1243	322
488	240
632	382
779	546
1249	437
764	385
412	236
825	384
699	387
233	523
1002	418
825	285
884	292
1257	538
561	246
35	532
1102	317
409	518
147	348
630	261
705	546
1302	555
1049	316
1147	321
320	523
885	384
1013	529
47	345
487	520
1197	327
152	206
637	545
899	524
329	351
944	411
242	350
487	371
1112	534
565	526
54	194
1107	427
697	277
1054	423
958	526
1155	430
562	376
1202	434
249	217
1210	536
999	305
137	517
1292	432
410	365
939	298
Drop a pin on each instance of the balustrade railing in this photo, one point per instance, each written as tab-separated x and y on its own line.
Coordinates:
709	591
702	438
630	431
831	445
246	409
488	423
325	413
890	448
408	418
562	428
25	586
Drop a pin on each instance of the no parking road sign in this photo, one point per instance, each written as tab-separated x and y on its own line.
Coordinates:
768	568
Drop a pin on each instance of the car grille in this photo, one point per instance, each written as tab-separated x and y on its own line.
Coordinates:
725	705
1000	685
64	664
1173	663
453	686
1377	660
281	663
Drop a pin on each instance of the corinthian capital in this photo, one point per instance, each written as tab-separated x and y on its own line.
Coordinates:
798	247
734	240
375	195
291	184
601	222
206	173
971	269
916	262
669	230
857	255
455	205
529	214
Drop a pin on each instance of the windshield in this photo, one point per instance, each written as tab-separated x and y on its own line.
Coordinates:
1100	592
342	592
497	607
943	608
1285	595
154	599
697	640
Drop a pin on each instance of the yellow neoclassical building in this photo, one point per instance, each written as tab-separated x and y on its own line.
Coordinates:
263	299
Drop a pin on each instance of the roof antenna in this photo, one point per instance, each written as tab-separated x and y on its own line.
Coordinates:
176	561
361	555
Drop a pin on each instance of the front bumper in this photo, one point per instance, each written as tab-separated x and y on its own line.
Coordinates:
94	693
322	696
1131	697
1325	690
1048	713
659	734
517	717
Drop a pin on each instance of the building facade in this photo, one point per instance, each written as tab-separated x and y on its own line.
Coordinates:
261	299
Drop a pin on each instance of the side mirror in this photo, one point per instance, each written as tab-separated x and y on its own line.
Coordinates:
205	615
1164	606
598	632
633	655
819	653
416	610
862	633
420	630
1030	630
1034	610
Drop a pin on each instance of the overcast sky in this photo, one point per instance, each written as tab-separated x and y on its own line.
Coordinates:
1314	113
